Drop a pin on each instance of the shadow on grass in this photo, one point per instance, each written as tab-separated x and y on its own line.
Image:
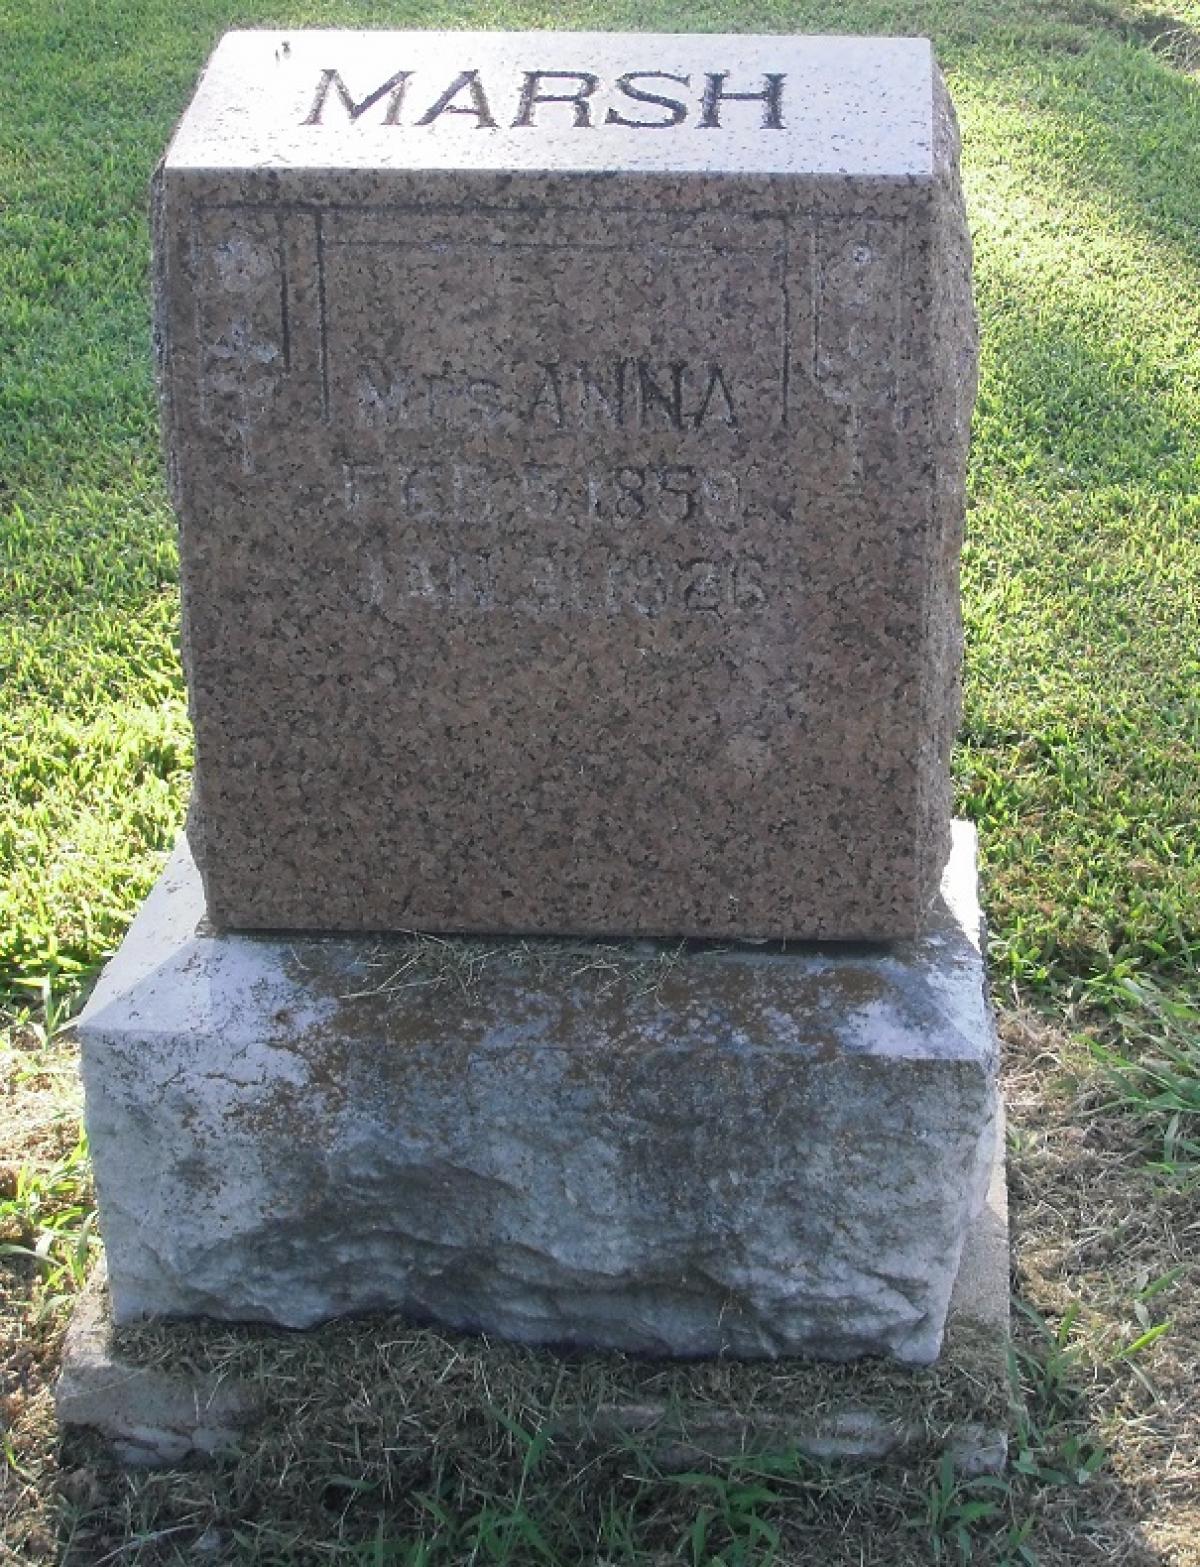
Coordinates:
1118	124
1065	404
1165	35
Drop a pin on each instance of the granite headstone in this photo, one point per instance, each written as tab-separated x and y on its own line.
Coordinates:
568	433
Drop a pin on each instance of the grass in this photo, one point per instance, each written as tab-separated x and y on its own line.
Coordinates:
436	1446
1082	573
1154	1074
1079	760
465	964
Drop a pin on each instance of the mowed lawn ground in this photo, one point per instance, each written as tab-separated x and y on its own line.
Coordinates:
1079	759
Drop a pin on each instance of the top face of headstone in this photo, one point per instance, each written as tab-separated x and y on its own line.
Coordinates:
563	101
569	508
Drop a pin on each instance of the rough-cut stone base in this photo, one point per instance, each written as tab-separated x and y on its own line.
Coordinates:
161	1410
697	1151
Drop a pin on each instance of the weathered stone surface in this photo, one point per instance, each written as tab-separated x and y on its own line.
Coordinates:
570	491
165	1411
151	1414
752	1151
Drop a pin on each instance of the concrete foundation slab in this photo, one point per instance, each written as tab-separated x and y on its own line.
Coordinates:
152	1413
669	1150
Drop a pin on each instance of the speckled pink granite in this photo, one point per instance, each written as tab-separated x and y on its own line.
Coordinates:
570	509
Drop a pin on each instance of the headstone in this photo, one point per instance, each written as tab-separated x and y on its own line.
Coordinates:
567	433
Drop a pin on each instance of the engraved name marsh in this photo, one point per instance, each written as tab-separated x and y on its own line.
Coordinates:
580	100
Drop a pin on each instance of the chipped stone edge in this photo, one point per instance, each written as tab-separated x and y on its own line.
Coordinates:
156	1416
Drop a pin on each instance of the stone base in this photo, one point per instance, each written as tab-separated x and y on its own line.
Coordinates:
155	1407
687	1151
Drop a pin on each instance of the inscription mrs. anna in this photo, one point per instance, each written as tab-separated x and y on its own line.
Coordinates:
551	395
641	100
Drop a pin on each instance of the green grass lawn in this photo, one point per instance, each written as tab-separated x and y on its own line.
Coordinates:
1080	745
1079	756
